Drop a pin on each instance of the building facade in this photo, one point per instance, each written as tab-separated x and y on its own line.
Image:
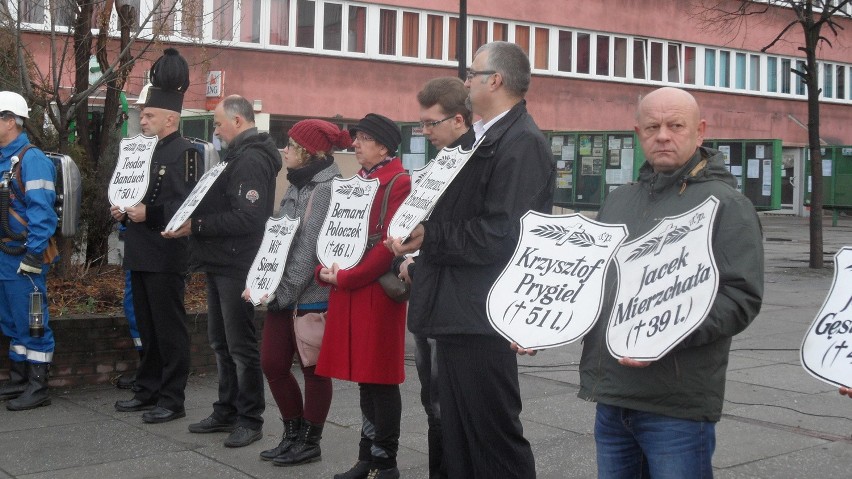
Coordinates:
591	61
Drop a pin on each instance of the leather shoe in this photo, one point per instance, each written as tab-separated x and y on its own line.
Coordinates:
161	414
211	424
243	436
133	405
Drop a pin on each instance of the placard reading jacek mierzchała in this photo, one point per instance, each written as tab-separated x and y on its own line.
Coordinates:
667	282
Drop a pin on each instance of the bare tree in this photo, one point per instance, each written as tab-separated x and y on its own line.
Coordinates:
114	33
817	21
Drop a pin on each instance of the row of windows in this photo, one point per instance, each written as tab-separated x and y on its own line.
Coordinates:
379	32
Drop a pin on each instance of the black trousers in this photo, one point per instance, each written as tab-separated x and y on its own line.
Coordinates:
480	408
161	320
381	407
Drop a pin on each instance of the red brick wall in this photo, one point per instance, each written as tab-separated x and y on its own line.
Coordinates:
97	349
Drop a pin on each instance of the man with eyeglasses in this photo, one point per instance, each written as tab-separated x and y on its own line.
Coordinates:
30	221
446	121
464	246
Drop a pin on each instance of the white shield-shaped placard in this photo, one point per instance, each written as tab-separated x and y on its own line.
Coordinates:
195	196
667	282
343	237
268	265
827	347
551	291
419	173
129	181
426	192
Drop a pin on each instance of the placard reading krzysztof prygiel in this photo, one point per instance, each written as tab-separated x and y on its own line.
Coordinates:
551	291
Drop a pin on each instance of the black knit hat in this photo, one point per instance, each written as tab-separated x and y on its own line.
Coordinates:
169	81
382	128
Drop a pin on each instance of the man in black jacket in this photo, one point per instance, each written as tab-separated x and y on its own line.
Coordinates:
225	232
158	266
464	246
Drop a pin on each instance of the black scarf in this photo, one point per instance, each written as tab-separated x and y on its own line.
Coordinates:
300	177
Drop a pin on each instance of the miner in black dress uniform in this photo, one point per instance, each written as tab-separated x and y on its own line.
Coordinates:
158	265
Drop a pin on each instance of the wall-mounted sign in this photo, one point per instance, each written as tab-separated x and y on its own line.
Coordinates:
215	84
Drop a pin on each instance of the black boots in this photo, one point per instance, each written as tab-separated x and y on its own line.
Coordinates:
306	449
17	383
288	439
35	394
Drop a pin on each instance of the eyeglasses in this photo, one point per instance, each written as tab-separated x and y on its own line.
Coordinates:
362	137
473	73
433	124
293	144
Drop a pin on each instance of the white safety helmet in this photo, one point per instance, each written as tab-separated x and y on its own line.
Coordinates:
143	95
12	102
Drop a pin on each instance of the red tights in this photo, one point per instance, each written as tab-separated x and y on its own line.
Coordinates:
276	360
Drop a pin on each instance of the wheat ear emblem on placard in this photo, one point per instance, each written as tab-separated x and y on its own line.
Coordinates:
447	161
350	191
655	244
574	235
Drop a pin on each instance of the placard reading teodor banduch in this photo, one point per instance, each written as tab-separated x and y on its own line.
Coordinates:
667	282
343	237
428	190
195	196
132	174
827	348
551	291
268	266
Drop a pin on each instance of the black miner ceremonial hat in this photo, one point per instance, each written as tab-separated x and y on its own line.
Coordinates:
169	81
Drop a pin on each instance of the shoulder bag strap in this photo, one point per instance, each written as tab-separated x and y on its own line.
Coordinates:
385	200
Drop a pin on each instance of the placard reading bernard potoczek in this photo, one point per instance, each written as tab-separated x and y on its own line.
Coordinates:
827	347
426	191
132	173
268	265
343	236
551	292
667	282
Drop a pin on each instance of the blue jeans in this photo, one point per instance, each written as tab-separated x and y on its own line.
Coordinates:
636	444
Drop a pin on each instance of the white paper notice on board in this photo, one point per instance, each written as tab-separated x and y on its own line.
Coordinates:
195	196
344	233
667	282
753	170
551	291
826	352
271	258
426	192
132	173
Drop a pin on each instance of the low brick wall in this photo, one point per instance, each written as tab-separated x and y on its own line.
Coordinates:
96	349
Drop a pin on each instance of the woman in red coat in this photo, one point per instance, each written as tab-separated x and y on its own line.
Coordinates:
365	330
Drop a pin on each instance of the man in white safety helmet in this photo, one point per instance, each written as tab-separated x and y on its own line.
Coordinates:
28	221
